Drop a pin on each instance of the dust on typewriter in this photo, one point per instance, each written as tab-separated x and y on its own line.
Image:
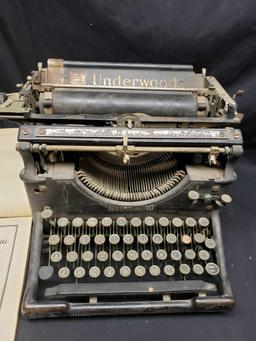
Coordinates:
125	167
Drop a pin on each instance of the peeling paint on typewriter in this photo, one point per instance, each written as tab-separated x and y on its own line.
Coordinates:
126	167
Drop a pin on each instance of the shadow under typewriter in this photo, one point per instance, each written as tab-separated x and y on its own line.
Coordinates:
121	266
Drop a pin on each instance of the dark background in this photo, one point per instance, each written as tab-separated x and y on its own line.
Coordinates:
219	35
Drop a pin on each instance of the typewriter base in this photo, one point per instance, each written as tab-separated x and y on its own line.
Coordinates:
171	301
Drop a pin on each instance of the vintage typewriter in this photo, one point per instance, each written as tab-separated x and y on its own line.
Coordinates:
126	167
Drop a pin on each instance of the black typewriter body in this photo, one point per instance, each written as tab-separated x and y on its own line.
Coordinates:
126	168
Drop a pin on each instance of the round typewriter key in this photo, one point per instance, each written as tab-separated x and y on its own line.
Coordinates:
117	255
64	272
190	222
184	269
94	272
114	239
198	269
125	271
157	238
109	271
84	239
62	222
54	239
92	222
176	255
169	270
190	254
79	272
186	239
135	222
226	199
140	271
171	238
210	243
102	256
128	239
69	239
87	256
163	222
199	238
177	222
203	222
56	256
132	255
142	238
99	239
203	254
161	254
193	195
149	221
146	255
45	272
121	221
212	269
47	213
77	222
72	256
106	222
154	270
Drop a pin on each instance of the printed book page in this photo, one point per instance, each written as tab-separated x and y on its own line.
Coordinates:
14	246
13	197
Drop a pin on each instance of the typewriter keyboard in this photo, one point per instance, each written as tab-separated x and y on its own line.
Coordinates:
127	250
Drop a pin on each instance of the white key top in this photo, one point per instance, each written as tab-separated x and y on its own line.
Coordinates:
157	238
69	240
210	243
62	222
190	254
146	255
171	238
77	222
128	239
117	256
54	239
56	256
184	269
94	272
114	239
203	254
72	256
212	269
154	270
87	256
109	271
125	271
169	270
142	238
99	239
64	272
79	272
102	256
84	239
176	255
132	255
198	269
161	254
139	271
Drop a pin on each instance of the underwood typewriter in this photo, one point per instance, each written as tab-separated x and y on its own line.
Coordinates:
126	167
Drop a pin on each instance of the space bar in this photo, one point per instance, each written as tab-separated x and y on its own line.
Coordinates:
129	288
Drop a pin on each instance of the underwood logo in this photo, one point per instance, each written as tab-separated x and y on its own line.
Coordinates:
98	80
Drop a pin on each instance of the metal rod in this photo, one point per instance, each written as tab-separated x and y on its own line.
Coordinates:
129	149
